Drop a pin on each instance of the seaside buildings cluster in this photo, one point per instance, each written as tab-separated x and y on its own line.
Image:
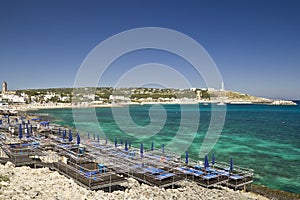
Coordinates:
107	95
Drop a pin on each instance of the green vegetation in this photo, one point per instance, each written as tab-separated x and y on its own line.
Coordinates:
4	178
109	94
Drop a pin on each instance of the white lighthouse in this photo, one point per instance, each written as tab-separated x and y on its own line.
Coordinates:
222	86
4	87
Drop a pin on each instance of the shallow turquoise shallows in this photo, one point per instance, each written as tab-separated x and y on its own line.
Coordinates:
262	137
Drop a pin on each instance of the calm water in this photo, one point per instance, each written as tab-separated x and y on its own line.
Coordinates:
262	137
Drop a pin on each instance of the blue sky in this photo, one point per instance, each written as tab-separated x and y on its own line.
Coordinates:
255	44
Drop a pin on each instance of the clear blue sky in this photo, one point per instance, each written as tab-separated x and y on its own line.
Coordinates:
255	44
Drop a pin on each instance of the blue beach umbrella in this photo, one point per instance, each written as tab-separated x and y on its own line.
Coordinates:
70	135
28	122
142	150
231	164
20	131
27	131
126	146
206	164
116	142
121	141
31	131
0	121
64	135
213	159
186	157
98	138
152	146
59	131
78	138
163	148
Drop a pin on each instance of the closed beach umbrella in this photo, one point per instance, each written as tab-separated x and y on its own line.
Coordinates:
163	148
94	136
105	140
78	138
116	142
58	131
28	122
88	135
231	164
126	147
27	131
20	131
31	129
64	135
17	120
206	164
121	141
98	138
152	146
186	157
70	135
142	150
213	159
8	120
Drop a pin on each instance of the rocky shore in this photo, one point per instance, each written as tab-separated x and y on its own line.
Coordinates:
21	183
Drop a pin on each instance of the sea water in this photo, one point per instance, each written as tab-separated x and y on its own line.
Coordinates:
265	138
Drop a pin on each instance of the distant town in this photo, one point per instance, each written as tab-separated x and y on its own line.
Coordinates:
91	96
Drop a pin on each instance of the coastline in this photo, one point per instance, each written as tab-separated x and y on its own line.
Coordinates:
57	186
26	107
255	191
257	188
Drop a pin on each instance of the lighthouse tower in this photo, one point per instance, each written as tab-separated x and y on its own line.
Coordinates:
4	87
222	86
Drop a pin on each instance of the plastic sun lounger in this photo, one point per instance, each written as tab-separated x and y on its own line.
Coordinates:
89	174
210	170
137	166
153	170
198	167
236	177
194	172
223	173
164	176
210	176
197	172
184	170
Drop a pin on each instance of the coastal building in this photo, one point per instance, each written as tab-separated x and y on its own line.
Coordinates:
198	94
4	87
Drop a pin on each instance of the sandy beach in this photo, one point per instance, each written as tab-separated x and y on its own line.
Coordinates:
42	183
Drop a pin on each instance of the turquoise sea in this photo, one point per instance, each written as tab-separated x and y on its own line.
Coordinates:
262	137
